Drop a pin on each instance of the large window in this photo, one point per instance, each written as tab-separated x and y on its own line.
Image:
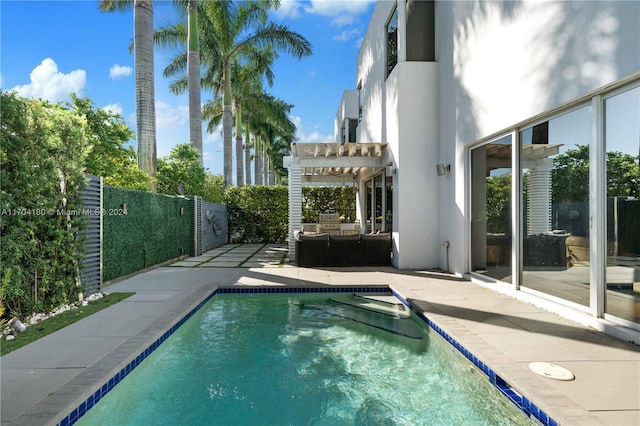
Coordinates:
554	161
622	142
491	234
421	30
576	199
392	41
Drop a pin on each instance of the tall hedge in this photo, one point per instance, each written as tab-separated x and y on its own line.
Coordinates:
261	213
42	150
328	199
258	213
141	229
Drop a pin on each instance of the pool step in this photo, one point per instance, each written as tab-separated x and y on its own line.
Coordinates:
405	327
385	305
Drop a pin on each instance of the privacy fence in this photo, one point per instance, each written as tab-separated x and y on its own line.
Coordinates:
131	230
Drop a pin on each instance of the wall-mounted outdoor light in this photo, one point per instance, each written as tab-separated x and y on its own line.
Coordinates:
442	169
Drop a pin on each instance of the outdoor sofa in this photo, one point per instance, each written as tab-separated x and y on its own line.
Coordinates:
313	249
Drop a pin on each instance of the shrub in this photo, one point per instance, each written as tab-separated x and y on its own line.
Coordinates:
42	149
180	173
328	199
258	213
261	213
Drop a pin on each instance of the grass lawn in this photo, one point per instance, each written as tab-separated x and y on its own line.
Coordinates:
50	325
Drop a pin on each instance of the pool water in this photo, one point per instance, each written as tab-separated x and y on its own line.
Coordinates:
256	359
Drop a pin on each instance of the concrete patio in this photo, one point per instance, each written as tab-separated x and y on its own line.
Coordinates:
42	382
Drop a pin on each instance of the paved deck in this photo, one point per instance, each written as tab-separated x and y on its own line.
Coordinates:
42	382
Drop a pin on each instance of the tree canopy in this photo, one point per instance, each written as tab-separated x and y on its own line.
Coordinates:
109	155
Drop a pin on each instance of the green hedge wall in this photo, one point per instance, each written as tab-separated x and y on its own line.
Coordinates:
150	231
261	213
258	214
328	199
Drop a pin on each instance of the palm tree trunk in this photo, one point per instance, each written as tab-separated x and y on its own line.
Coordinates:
144	81
193	67
247	153
239	166
265	167
227	125
257	162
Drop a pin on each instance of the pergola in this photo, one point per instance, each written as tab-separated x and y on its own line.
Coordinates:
329	163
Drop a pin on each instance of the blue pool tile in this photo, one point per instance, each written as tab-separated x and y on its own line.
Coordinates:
65	421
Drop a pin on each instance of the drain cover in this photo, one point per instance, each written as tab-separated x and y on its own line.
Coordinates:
551	371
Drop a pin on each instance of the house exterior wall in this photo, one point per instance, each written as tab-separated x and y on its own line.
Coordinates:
502	62
498	64
412	133
348	110
370	75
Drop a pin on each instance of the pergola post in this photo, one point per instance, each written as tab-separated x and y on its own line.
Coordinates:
295	206
383	225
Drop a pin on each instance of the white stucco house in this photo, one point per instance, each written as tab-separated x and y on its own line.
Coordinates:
500	132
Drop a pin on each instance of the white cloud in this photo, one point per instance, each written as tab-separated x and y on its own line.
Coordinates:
311	134
350	34
114	108
119	71
213	138
50	84
169	117
342	12
312	73
289	9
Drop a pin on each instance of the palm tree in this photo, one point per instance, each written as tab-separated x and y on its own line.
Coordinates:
193	71
247	83
144	78
269	121
242	29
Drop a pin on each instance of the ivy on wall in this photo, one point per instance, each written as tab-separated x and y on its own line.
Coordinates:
42	151
141	229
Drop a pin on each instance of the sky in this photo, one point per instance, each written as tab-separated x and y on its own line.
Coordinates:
49	49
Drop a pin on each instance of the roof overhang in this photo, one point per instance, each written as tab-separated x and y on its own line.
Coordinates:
337	162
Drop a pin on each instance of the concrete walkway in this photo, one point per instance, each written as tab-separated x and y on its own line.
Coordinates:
42	382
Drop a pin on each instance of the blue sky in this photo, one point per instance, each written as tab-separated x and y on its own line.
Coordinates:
49	49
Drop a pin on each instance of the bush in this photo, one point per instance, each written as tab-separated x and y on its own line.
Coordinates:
109	156
328	199
42	149
261	213
258	214
181	173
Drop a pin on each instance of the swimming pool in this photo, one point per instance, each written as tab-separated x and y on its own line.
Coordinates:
299	359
